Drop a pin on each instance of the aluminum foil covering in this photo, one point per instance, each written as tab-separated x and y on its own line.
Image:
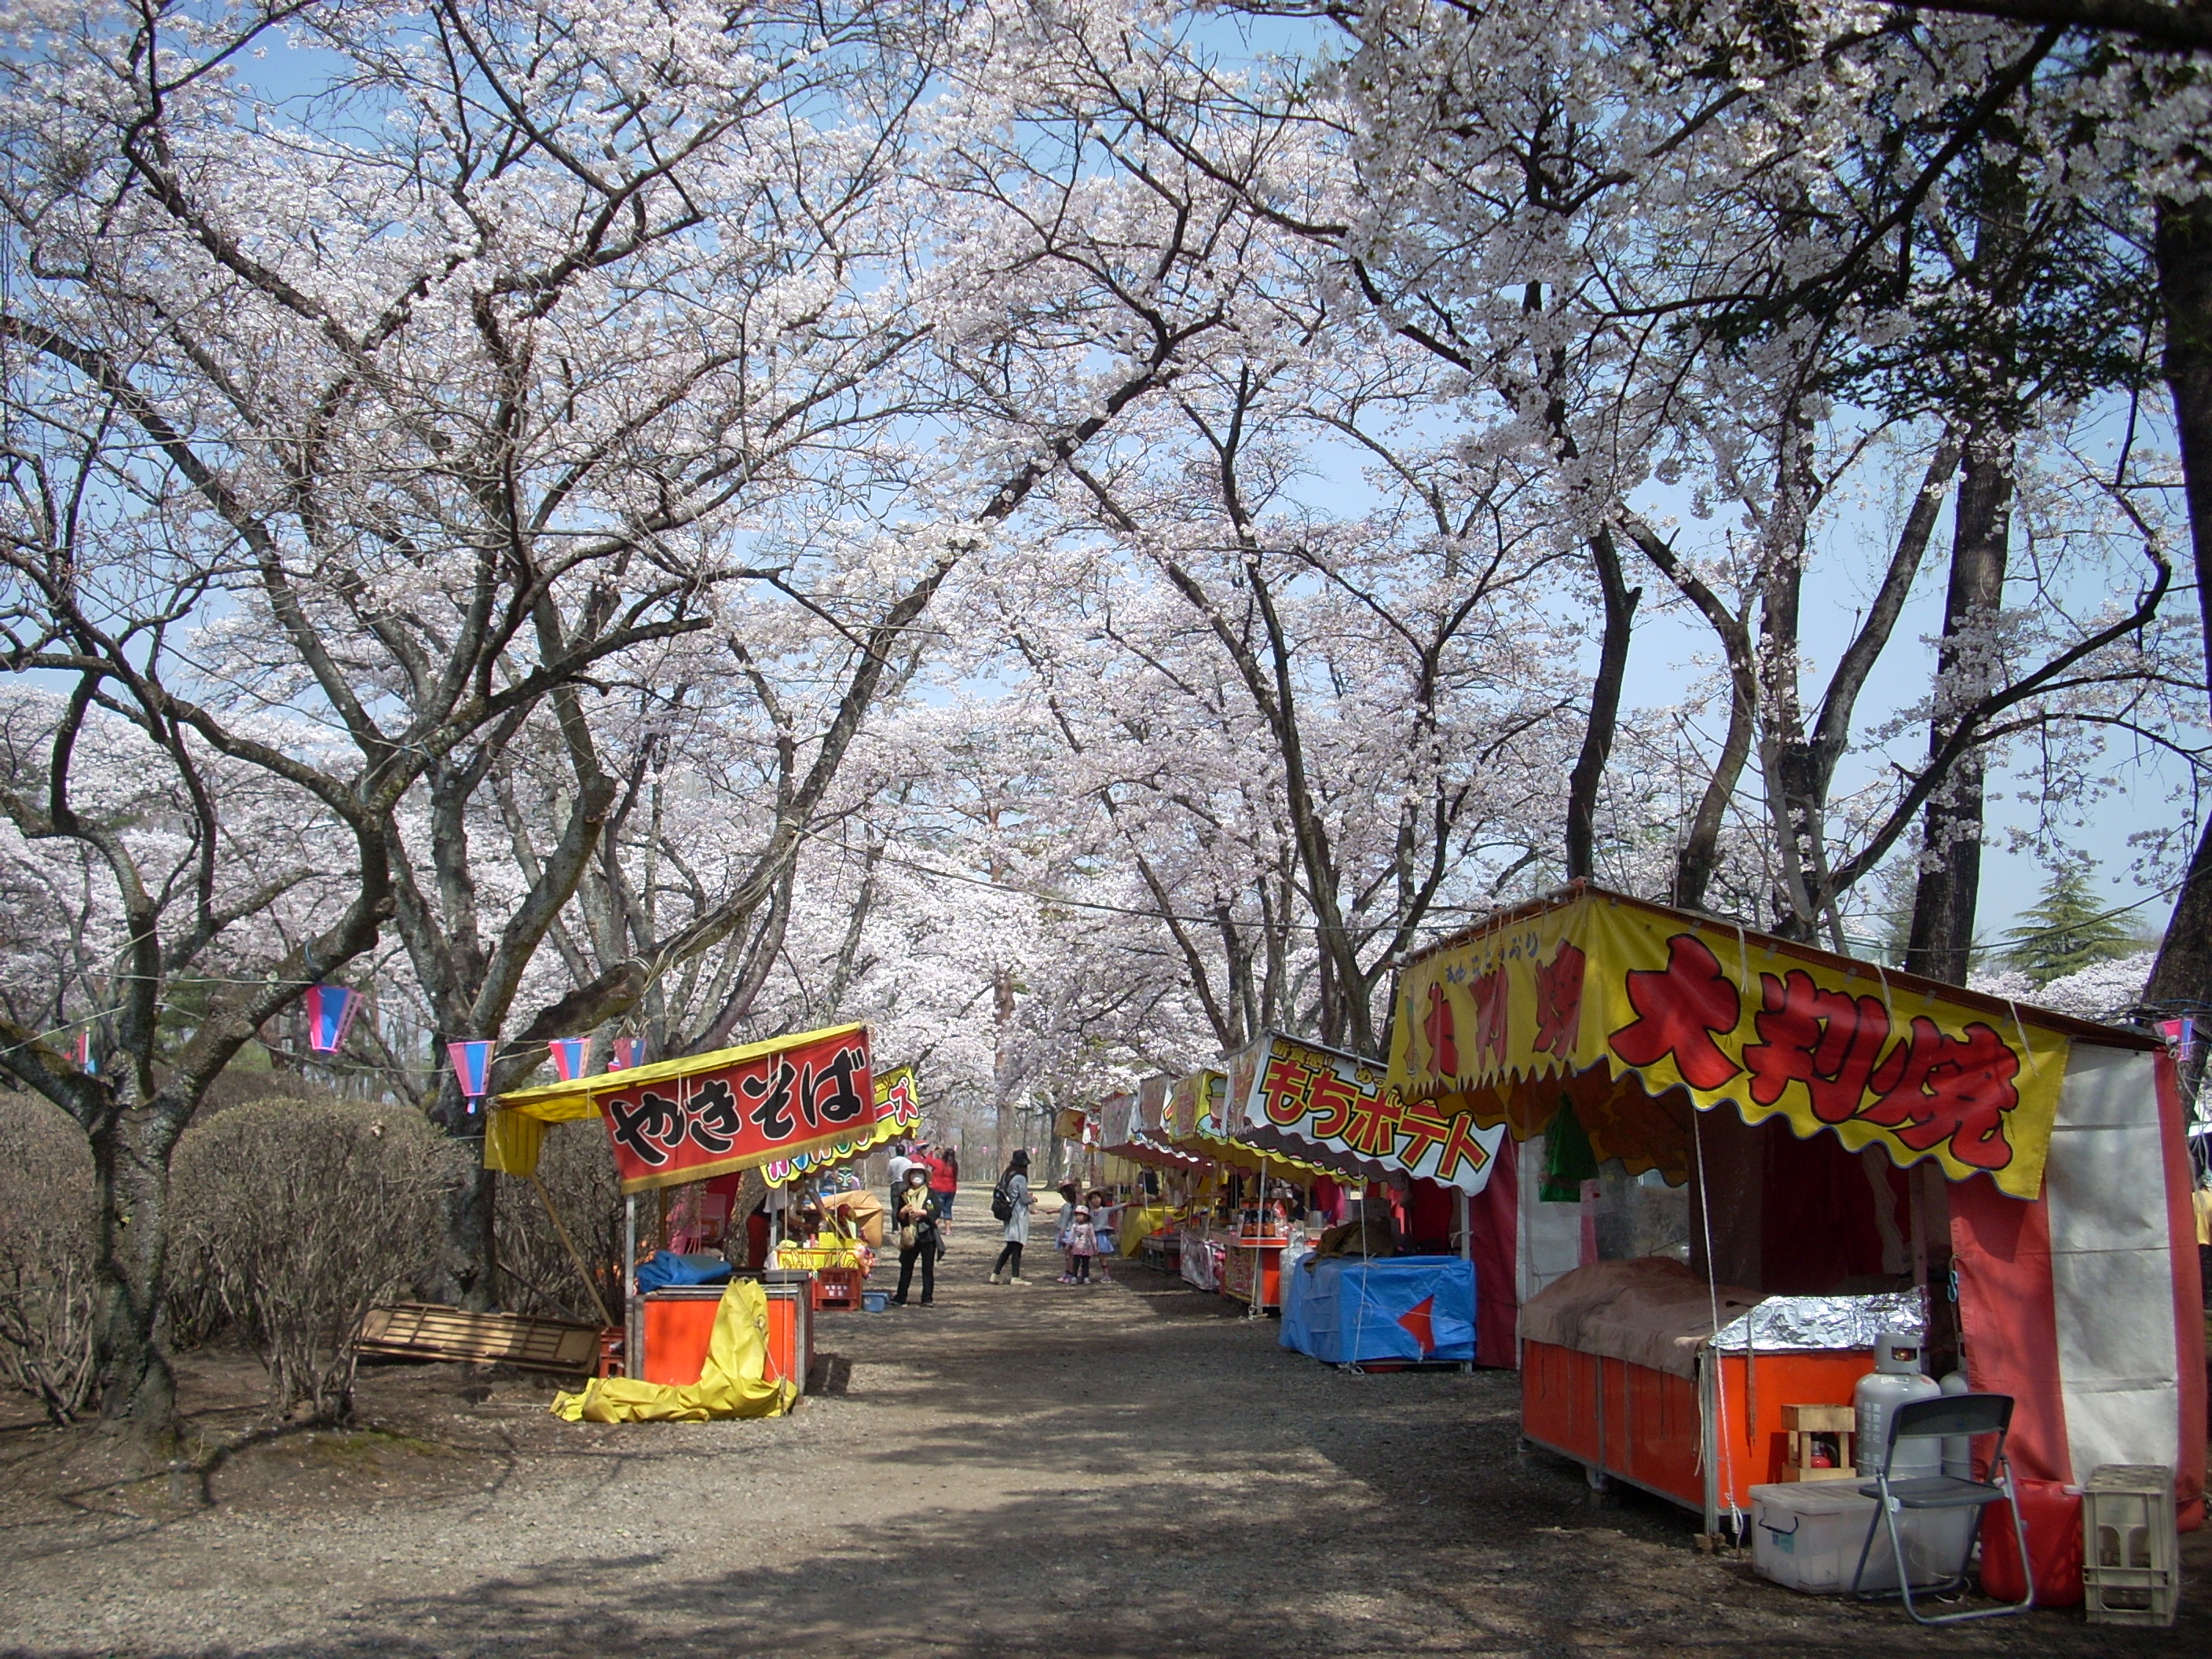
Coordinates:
1824	1321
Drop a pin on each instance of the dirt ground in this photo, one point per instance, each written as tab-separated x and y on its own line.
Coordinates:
1125	1470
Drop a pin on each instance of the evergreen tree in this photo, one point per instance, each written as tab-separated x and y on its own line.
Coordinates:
2065	931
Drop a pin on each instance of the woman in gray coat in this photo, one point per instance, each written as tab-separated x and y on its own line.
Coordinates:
1015	1183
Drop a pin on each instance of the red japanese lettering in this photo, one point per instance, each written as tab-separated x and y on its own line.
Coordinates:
1373	1128
1934	1088
1424	1130
1825	1040
1335	1101
1444	1042
1490	1009
1679	1009
1460	1147
1560	1000
1285	1088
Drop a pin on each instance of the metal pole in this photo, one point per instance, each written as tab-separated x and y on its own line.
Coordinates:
1465	1206
629	1246
633	1313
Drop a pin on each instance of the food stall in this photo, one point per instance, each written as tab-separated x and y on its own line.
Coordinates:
2017	1178
1238	1247
1147	1226
683	1123
1336	1111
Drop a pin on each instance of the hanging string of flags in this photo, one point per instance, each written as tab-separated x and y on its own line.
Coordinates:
572	1058
330	1010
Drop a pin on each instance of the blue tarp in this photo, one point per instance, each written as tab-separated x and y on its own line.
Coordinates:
666	1268
1347	1310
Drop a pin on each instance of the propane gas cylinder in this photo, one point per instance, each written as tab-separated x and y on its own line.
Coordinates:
1957	1448
1896	1380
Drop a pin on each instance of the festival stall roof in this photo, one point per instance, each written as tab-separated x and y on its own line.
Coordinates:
1194	1117
2065	1200
1142	1149
688	1120
1128	1131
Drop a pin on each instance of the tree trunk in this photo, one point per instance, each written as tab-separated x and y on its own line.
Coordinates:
1699	856
1588	775
2182	981
468	1267
130	1148
1941	942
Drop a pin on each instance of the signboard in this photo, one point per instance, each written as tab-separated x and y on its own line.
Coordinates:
1190	1102
898	1112
1240	1273
1151	1100
706	1114
1289	1093
798	1099
1118	1118
1725	1016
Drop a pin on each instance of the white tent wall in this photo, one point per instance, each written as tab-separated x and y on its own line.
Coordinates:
1549	1237
2112	1263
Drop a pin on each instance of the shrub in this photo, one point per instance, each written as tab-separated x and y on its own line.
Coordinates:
304	1214
536	1274
46	1299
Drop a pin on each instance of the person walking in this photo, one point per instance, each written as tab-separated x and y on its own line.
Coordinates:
1013	1195
917	1237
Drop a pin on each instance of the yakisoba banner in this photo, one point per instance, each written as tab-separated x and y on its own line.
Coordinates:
705	1114
1286	1095
1734	1017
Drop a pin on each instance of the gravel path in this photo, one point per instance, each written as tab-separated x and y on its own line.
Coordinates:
1128	1469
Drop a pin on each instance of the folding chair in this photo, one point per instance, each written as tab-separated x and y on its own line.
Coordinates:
1932	1419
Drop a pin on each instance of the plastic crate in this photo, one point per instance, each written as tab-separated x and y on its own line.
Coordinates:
2130	1550
1808	1536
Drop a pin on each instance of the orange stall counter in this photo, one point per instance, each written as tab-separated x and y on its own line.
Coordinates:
1253	1263
1704	1441
679	1322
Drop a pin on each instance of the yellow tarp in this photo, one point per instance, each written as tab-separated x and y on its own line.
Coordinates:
1138	1226
1560	999
734	1383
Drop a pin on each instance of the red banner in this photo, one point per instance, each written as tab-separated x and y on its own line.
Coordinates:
673	1129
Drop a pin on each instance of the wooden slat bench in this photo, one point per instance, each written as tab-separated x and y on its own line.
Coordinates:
423	1330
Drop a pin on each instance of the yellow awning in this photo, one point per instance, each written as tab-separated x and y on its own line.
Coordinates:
1566	999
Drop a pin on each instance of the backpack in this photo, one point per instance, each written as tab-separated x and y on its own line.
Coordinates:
1002	1203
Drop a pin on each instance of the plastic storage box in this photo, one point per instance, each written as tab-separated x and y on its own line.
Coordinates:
2129	1545
1808	1534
